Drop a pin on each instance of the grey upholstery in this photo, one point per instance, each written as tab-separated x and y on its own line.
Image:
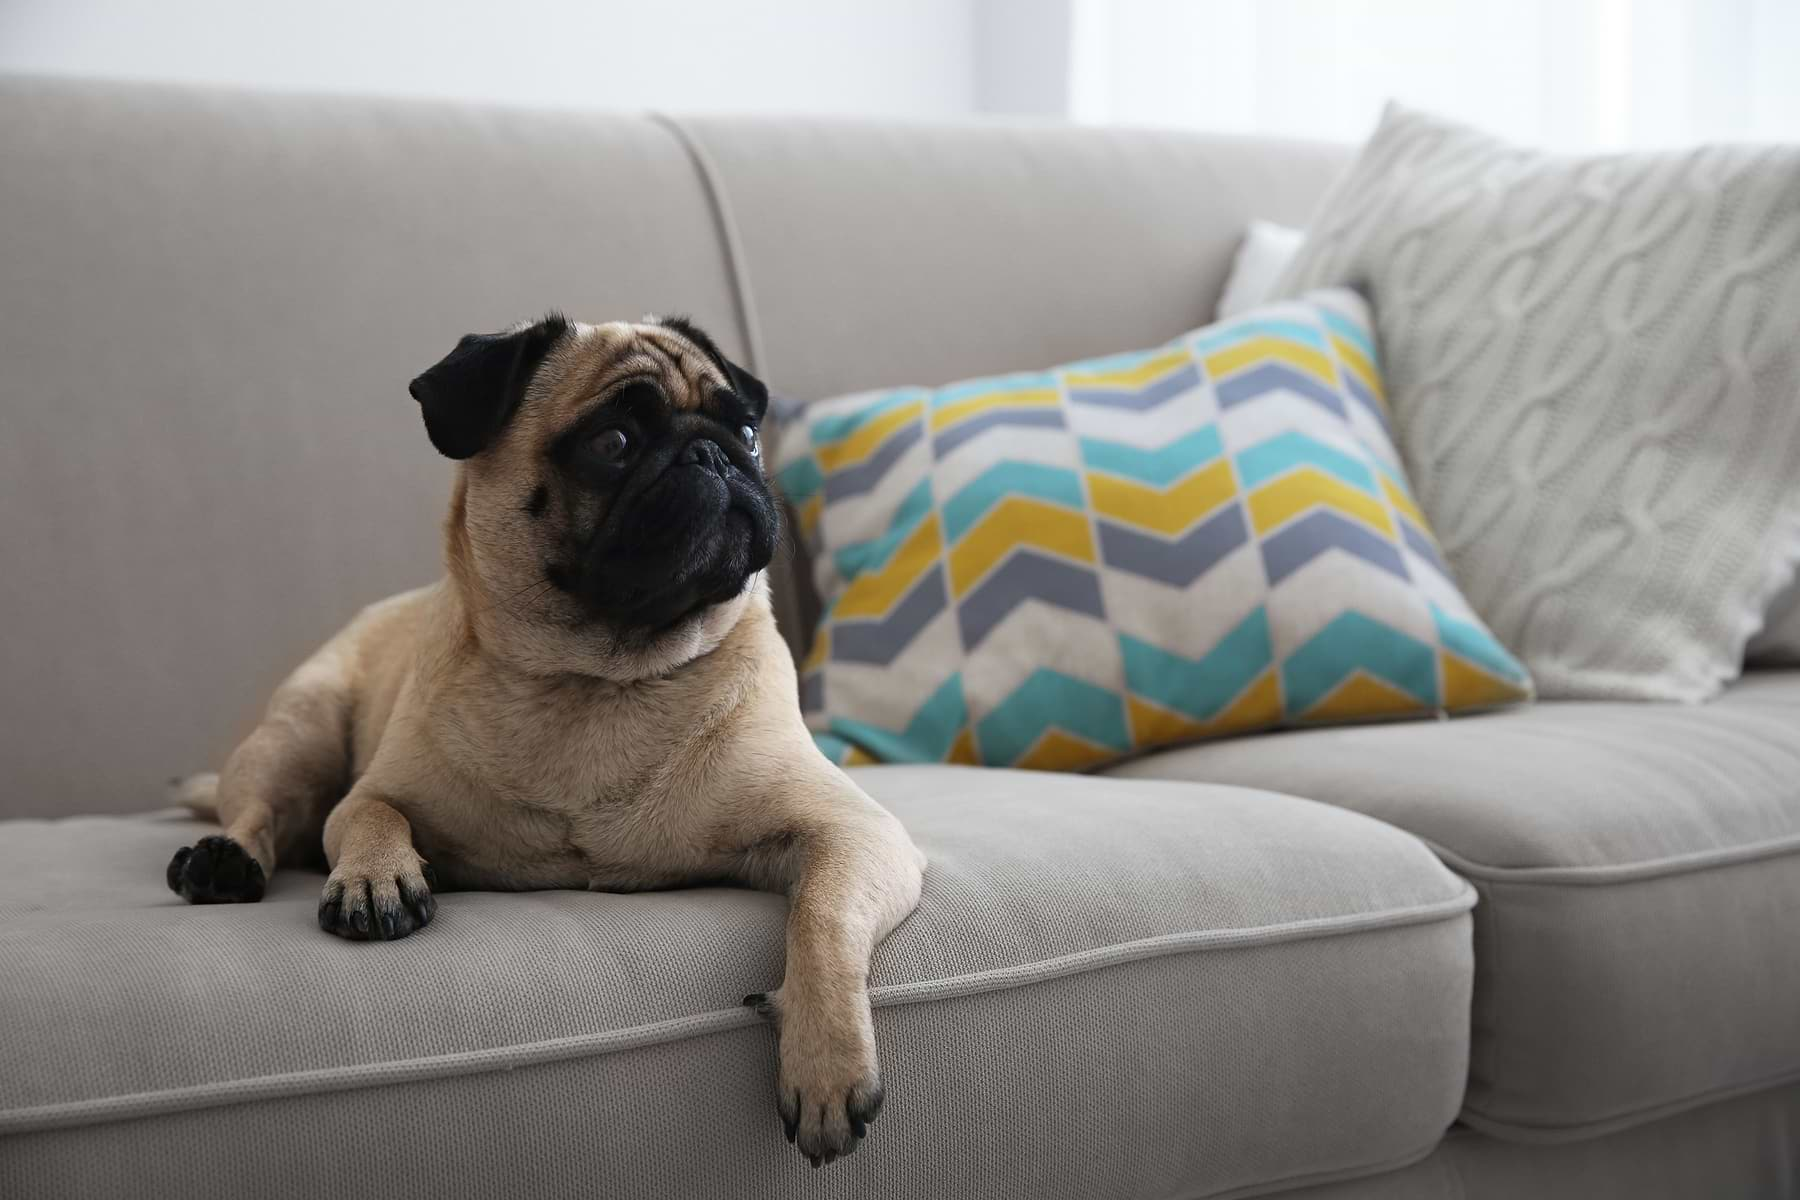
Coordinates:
1165	990
1639	867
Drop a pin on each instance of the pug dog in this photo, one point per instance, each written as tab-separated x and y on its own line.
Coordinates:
595	696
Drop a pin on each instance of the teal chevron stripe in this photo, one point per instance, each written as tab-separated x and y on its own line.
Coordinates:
1275	327
873	554
835	427
927	737
1476	644
832	746
1024	381
1285	451
1200	688
1059	485
1160	467
1353	642
1049	699
1351	331
800	479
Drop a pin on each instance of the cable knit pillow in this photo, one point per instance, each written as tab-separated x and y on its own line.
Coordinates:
1594	366
1059	568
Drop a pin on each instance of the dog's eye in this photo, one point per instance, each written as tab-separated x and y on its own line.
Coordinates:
610	444
748	433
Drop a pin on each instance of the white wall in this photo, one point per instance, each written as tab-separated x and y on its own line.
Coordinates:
1568	74
855	57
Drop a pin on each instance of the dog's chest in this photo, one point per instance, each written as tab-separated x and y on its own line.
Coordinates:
591	796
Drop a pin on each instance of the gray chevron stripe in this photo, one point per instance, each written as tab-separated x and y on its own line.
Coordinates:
1421	546
956	435
1178	562
1321	531
854	481
1146	398
812	692
1270	376
878	641
1027	575
1365	398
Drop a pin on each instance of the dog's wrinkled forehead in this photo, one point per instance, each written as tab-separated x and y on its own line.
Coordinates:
594	360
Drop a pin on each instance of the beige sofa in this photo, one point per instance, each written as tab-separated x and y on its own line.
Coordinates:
1550	952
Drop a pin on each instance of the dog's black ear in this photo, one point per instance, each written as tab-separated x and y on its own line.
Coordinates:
470	395
749	388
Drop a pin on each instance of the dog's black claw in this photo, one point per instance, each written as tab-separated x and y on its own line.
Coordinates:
421	905
756	999
331	907
362	912
815	1160
787	1107
866	1110
215	870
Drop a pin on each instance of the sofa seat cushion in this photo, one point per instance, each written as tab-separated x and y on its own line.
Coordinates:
1131	988
1639	868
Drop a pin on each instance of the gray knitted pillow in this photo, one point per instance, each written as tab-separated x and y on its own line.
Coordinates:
1594	368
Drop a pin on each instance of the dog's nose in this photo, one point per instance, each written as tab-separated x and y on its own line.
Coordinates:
704	452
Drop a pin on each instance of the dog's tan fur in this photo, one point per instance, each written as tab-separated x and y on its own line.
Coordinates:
475	725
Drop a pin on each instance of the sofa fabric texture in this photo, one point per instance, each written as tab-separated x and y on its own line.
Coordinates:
1053	569
1639	867
1045	990
1593	374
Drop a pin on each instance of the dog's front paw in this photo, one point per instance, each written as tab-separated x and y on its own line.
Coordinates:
377	906
828	1084
215	870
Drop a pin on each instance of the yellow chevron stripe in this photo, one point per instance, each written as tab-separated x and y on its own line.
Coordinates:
1296	492
810	512
963	750
866	440
872	595
1018	521
1166	512
1059	751
858	757
1360	366
821	649
1258	707
1362	697
1257	350
1133	377
962	410
1404	503
1467	686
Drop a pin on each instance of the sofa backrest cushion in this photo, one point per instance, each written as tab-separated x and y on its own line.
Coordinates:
214	301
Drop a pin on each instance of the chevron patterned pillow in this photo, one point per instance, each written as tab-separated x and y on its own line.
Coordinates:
1062	568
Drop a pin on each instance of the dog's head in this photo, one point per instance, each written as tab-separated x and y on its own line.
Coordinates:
612	490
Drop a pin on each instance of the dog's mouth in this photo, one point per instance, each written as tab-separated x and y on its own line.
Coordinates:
692	541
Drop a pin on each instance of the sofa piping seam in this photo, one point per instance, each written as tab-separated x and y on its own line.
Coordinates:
322	1080
1601	876
1519	1133
725	221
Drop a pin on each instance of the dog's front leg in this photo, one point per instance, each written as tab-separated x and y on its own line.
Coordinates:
379	888
851	875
